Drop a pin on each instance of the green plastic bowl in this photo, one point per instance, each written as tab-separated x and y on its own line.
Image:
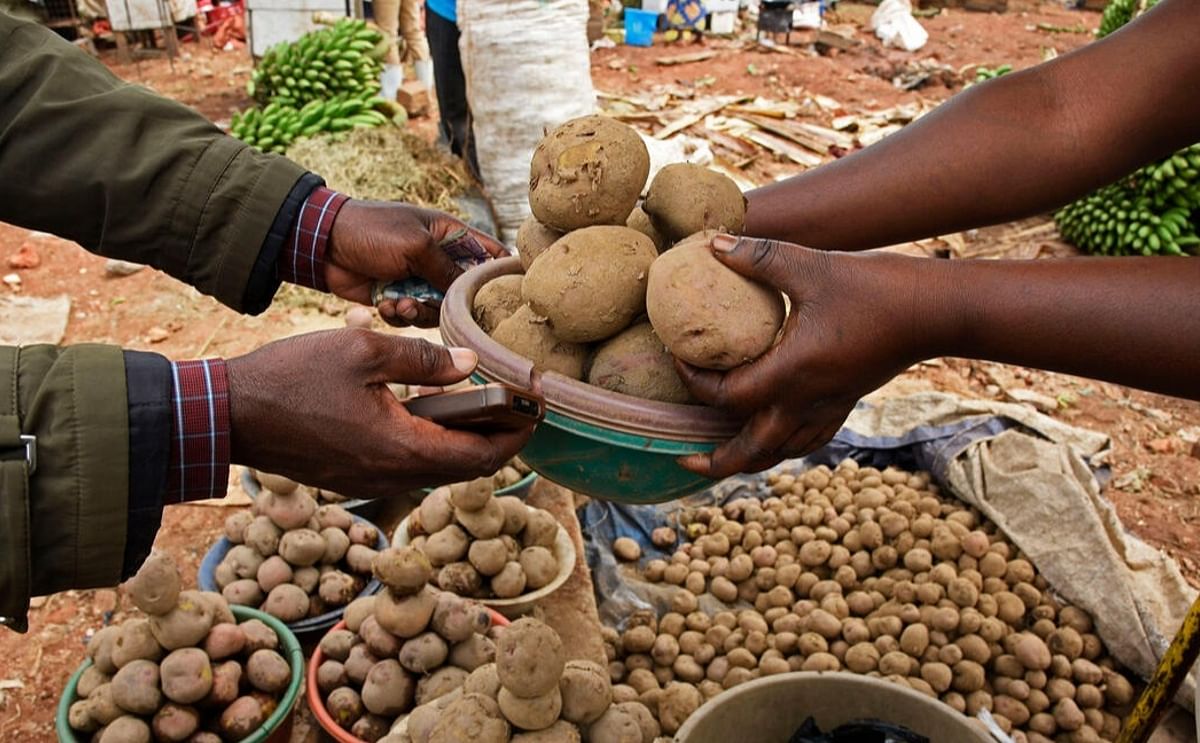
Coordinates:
593	441
291	651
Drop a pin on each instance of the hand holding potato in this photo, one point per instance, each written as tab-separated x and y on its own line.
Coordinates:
317	409
378	241
851	328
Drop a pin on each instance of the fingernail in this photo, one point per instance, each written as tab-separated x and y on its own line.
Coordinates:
724	243
408	312
464	359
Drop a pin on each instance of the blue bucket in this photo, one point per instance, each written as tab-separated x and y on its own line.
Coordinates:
207	580
640	26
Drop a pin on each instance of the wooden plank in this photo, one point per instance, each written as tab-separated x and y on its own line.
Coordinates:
679	59
687	120
798	136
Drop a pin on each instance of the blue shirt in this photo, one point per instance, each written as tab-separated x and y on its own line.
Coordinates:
444	8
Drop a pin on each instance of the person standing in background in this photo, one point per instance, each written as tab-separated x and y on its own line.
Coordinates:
401	19
441	28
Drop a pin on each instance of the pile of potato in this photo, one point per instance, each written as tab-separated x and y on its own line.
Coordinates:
484	546
280	483
597	301
186	672
530	693
404	647
292	558
872	572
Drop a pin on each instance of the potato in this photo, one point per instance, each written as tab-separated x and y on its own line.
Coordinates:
101	706
187	676
529	335
541	529
637	363
344	706
460	578
288	511
332	516
483	680
435	512
259	636
447	545
135	688
388	690
497	300
262	535
473	652
488	556
485	523
471	717
587	171
560	732
155	587
302	547
529	658
370	728
135	642
586	691
287	602
536	713
688	297
268	671
685	199
439	683
330	675
89	680
186	625
276	483
272	572
619	724
226	682
244	559
424	653
126	729
403	569
337	588
533	238
639	220
1031	650
540	567
378	640
79	716
359	664
336	645
100	647
457	619
337	544
645	719
244	592
405	616
591	284
242	718
510	581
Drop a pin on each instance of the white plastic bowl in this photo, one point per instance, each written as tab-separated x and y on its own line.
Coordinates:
564	554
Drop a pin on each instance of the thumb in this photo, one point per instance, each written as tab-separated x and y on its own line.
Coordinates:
768	262
419	362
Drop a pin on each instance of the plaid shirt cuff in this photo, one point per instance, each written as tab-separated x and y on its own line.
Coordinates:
302	260
198	467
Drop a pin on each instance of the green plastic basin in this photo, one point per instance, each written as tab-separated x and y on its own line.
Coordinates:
593	441
276	727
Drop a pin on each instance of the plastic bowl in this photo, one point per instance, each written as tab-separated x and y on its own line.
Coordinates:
564	553
317	704
593	441
277	727
207	580
832	699
520	488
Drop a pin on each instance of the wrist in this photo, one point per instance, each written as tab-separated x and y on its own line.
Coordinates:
914	300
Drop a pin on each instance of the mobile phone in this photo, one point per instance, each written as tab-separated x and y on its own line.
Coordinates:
482	407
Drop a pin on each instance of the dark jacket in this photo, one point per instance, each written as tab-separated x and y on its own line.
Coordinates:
130	175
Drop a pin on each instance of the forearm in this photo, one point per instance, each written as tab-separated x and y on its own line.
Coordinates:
1016	146
1135	321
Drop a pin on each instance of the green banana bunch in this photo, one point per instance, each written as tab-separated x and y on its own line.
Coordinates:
274	127
1152	211
340	59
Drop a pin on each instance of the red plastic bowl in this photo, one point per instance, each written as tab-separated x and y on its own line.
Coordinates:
313	694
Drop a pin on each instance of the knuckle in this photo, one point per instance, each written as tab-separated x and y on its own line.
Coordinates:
427	357
362	343
763	253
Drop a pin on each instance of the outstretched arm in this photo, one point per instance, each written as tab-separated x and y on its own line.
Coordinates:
858	320
1013	147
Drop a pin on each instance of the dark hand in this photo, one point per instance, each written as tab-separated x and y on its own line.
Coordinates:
317	409
382	241
850	329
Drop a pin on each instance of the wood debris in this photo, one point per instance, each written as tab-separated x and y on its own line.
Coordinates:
679	59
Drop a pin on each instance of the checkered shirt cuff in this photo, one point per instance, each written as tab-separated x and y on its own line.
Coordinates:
199	464
302	260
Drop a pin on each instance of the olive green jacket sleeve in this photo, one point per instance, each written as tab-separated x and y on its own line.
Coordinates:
64	525
127	173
